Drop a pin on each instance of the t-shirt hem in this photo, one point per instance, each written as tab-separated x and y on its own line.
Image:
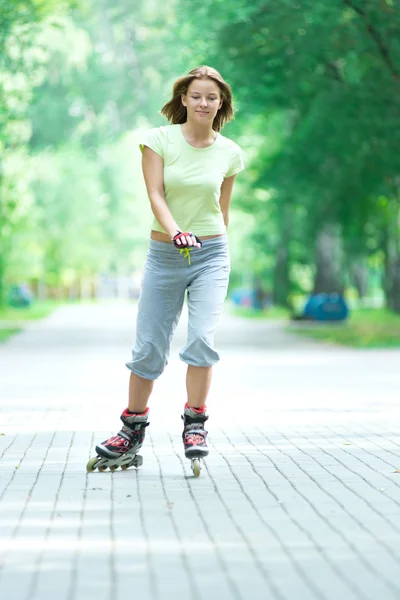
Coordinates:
196	231
234	172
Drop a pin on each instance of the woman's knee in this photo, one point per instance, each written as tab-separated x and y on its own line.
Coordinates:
199	352
148	359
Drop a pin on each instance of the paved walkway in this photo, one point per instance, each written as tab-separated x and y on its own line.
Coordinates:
299	499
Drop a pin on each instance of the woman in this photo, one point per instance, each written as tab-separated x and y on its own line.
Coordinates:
189	170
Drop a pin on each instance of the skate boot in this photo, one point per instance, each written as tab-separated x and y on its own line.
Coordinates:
121	450
194	436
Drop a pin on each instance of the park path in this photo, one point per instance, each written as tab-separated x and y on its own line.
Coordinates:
298	500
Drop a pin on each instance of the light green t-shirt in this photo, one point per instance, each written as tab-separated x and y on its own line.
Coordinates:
193	177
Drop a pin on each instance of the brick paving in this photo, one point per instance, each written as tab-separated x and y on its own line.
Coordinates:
298	499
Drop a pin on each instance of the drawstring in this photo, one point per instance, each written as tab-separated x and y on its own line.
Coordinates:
186	253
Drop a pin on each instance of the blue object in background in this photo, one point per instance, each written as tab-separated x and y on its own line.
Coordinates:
246	297
326	307
20	296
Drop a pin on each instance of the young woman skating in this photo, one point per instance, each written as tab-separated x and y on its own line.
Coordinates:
189	169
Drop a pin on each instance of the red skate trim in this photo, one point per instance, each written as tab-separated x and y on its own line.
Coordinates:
126	413
118	440
117	444
197	410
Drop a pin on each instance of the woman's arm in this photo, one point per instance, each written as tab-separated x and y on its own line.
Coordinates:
153	172
225	198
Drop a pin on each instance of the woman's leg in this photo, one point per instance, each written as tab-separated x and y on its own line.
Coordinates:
160	305
198	381
139	393
206	296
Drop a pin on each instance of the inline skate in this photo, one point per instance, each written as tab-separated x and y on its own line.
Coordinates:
121	450
194	436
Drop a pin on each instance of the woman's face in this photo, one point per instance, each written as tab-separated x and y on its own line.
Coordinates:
202	100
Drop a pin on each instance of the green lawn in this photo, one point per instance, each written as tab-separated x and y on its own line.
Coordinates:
7	333
11	318
366	328
275	312
38	310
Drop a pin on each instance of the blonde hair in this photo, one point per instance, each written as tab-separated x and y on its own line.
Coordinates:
175	111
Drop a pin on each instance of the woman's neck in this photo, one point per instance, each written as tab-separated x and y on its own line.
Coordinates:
198	134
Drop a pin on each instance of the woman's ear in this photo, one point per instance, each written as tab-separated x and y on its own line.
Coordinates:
183	100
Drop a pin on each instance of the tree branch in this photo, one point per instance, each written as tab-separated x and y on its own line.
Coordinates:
333	68
377	37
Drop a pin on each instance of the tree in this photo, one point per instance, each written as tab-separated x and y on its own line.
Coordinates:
332	70
20	71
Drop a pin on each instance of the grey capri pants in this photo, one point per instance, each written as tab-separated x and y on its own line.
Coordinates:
167	276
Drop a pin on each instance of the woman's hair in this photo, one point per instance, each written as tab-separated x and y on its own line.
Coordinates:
175	111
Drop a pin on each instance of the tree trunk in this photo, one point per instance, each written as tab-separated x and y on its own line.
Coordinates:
328	278
2	281
396	286
391	246
391	283
281	287
359	278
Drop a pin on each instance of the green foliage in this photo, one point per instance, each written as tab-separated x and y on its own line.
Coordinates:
320	83
72	197
22	57
317	91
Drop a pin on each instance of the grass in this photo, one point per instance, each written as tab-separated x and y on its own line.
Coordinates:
12	318
365	328
5	334
275	312
38	310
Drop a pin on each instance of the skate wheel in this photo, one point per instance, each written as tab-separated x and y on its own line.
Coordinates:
137	461
196	467
114	468
103	468
91	466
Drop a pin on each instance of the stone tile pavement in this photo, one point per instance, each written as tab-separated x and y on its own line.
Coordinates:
299	498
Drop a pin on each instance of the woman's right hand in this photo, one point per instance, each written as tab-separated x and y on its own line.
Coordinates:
186	238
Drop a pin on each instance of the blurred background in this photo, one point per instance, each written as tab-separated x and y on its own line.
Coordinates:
315	224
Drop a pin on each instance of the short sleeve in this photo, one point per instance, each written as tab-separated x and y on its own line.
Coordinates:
155	140
236	162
